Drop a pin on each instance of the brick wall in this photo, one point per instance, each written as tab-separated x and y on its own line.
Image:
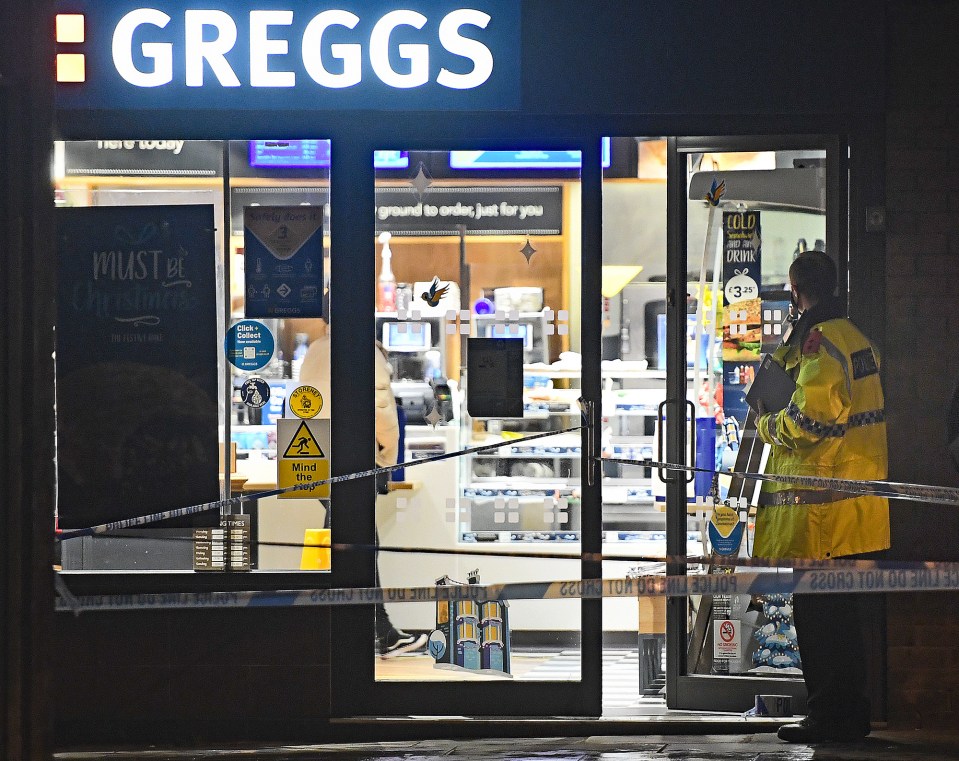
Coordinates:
922	346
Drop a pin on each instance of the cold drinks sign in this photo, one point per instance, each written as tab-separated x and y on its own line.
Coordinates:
297	54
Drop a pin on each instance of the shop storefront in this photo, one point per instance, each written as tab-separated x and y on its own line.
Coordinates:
540	191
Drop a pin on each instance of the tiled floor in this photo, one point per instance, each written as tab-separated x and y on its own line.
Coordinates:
621	693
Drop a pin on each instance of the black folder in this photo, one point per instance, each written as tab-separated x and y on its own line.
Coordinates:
772	386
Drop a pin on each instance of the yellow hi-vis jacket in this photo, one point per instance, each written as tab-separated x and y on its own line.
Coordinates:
834	426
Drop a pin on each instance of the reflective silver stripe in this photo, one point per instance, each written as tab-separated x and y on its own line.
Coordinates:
773	430
801	497
833	351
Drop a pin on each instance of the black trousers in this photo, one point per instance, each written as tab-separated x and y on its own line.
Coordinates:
829	631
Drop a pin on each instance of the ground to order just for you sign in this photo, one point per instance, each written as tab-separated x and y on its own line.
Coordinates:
439	210
481	210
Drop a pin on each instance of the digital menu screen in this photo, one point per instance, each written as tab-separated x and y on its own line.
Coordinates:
312	153
523	159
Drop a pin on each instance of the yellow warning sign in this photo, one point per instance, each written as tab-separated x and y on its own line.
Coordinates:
304	447
725	519
297	473
303	444
306	402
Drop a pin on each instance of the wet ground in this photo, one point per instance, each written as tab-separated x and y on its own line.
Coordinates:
880	746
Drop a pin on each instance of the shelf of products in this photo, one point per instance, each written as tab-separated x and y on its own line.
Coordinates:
530	492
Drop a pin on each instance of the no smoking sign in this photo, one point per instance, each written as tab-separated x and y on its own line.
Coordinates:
726	639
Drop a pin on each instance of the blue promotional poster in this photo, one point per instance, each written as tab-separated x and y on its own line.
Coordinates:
283	261
136	365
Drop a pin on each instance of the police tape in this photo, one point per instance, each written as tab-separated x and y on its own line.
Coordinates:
943	495
853	577
181	512
573	553
940	495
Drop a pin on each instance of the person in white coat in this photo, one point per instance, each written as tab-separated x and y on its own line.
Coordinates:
315	372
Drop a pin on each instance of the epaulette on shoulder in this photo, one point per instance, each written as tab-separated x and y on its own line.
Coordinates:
812	342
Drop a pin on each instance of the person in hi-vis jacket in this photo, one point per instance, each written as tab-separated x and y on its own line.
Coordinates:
834	427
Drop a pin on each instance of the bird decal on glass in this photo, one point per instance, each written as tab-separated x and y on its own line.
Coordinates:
435	292
716	191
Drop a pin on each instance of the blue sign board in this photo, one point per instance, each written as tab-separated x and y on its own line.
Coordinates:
249	345
523	159
294	154
283	253
430	55
137	383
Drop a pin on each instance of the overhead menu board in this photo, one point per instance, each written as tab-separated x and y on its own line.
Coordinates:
529	159
136	363
313	154
143	158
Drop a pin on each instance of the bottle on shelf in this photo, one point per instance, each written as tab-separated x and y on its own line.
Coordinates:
386	285
299	352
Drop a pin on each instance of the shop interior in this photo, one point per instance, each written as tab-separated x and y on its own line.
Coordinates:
486	244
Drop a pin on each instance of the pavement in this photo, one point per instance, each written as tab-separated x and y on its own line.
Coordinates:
879	746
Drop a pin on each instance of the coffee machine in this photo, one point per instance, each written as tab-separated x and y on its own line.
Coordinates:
416	349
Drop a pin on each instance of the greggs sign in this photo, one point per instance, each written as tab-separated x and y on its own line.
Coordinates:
302	55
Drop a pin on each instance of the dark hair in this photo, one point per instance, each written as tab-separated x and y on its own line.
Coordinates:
813	274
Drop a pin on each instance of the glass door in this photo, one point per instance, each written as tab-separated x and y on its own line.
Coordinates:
741	210
636	401
477	252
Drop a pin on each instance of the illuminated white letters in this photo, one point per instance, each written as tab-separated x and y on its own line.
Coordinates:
463	46
207	37
160	52
262	47
418	55
350	54
213	51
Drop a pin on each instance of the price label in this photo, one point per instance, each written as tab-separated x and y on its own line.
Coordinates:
741	287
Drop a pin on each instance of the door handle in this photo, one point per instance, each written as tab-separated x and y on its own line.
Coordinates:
661	425
691	409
